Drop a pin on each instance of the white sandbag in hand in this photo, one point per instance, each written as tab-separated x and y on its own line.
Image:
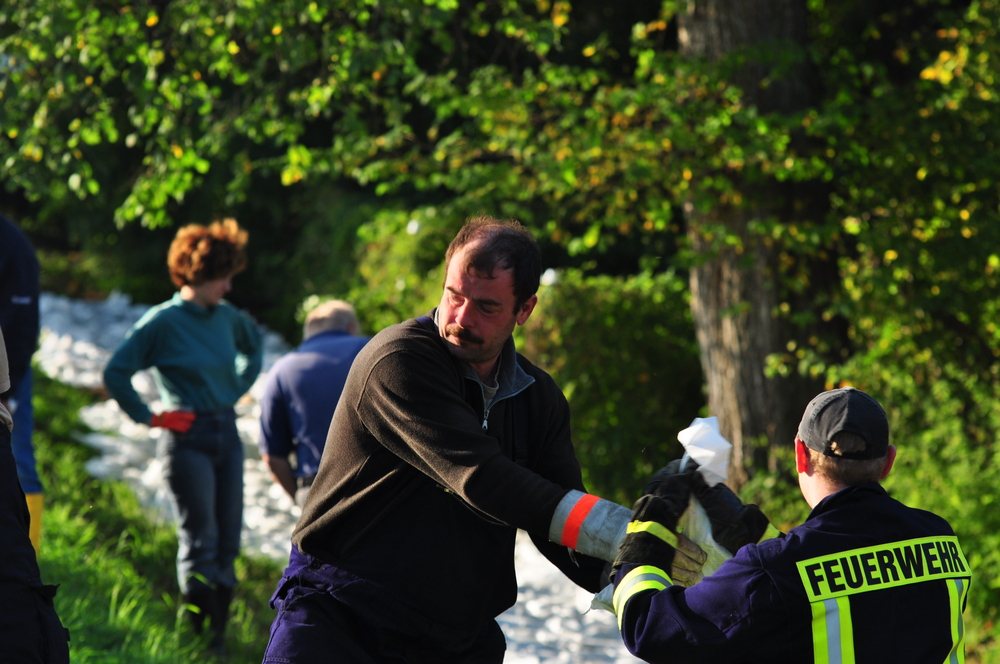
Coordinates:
704	444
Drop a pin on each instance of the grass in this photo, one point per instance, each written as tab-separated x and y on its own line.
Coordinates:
118	592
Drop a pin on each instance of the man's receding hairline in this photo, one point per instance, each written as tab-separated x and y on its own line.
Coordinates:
470	253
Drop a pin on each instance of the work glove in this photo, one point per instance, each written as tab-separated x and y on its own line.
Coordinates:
175	420
652	539
672	484
733	523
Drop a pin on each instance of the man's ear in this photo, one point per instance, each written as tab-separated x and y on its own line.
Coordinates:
526	309
890	458
803	463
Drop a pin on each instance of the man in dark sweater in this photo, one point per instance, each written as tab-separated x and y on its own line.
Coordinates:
444	443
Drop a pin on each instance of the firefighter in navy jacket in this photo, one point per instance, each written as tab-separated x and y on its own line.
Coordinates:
865	579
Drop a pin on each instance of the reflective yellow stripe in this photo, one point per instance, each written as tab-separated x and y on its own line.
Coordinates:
644	577
957	589
653	528
846	630
884	566
830	581
820	648
833	631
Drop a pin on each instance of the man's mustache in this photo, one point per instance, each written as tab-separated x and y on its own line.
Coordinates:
456	330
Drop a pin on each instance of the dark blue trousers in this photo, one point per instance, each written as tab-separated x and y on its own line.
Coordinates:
204	469
316	626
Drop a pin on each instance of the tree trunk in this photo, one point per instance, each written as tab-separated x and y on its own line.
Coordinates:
732	297
712	29
736	287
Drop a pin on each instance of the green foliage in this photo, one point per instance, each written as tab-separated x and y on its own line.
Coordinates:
919	269
118	593
623	351
400	266
306	250
186	93
777	492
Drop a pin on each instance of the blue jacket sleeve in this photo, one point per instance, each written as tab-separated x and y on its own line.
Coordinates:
275	428
713	621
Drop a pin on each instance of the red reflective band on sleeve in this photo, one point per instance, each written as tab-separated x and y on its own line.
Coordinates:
574	522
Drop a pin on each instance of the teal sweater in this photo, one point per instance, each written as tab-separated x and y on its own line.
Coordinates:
201	359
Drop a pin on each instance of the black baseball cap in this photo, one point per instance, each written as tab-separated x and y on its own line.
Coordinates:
845	409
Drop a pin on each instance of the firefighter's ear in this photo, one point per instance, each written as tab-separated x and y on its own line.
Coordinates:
890	458
803	463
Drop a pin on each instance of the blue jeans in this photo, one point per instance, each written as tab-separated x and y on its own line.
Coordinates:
20	437
204	469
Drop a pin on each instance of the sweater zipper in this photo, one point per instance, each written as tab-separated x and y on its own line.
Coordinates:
486	411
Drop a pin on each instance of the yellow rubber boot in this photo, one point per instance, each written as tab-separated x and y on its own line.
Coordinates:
36	505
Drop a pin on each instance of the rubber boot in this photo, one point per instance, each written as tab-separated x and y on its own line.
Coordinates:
220	618
36	505
199	606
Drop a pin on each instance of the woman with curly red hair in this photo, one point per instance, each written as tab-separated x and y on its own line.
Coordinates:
204	354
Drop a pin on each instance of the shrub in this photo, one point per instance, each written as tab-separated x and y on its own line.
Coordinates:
624	352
